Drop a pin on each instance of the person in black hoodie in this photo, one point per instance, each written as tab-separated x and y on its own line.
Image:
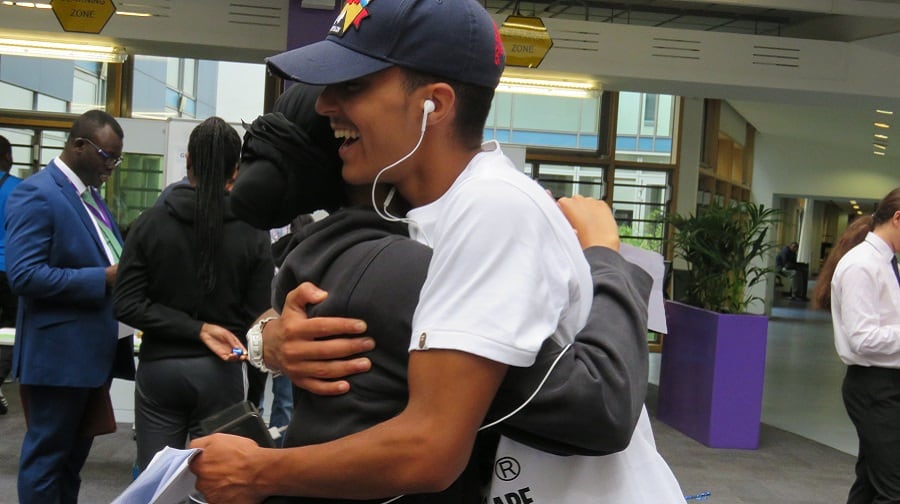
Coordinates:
373	272
192	278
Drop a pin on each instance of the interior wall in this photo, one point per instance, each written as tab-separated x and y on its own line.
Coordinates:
788	167
786	170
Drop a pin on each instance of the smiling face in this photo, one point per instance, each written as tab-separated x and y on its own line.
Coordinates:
379	121
90	165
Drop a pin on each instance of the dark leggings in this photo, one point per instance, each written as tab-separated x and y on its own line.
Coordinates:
172	396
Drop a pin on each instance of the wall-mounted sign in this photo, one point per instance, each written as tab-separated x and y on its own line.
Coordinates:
525	40
83	16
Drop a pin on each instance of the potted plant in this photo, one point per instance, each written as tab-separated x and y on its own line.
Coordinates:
713	357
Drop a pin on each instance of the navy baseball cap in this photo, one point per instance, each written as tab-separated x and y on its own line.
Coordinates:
453	39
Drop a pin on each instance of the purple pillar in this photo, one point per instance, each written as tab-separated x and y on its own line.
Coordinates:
306	26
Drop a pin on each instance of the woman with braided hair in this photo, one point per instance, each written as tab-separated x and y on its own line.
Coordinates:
193	278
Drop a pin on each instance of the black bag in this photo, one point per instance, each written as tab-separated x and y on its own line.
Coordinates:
241	419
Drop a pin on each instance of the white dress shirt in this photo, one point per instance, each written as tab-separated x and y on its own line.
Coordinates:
865	306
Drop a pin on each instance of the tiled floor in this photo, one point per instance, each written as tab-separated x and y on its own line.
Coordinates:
802	391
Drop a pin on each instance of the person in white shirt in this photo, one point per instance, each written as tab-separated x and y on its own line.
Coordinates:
864	297
409	86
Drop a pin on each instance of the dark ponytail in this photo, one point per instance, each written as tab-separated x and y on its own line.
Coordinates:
852	236
214	149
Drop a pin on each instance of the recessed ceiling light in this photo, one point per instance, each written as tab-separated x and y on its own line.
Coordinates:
882	125
880	136
878	153
879	146
885	112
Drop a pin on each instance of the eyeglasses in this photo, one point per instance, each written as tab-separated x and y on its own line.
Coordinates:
110	160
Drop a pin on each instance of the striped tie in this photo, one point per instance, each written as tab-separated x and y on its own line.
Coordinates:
103	222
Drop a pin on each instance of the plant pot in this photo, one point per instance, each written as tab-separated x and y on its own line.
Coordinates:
711	375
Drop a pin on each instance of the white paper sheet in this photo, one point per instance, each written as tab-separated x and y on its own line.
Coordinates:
652	263
166	480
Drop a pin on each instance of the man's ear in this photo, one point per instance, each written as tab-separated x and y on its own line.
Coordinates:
444	99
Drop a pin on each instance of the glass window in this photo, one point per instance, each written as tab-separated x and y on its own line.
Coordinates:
135	186
92	67
628	123
52	143
569	180
203	88
85	95
546	121
50	104
188	107
640	204
665	119
20	140
173	73
89	87
189	77
648	126
76	86
15	97
237	94
644	128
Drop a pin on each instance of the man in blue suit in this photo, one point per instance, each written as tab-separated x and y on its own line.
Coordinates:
62	250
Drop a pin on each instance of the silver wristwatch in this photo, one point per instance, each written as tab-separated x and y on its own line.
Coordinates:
255	346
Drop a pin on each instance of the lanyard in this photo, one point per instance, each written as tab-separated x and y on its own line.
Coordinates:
94	207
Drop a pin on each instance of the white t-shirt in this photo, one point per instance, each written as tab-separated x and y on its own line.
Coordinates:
865	306
507	270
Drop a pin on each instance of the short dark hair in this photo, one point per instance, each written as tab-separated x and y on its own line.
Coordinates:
92	121
473	104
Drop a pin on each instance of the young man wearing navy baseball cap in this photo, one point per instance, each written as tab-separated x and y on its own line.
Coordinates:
409	85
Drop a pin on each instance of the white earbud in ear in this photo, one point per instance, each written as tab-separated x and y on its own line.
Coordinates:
427	108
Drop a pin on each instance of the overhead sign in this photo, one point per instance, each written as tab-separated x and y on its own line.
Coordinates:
83	16
525	40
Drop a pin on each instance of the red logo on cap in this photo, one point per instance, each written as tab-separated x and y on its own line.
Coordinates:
353	13
498	46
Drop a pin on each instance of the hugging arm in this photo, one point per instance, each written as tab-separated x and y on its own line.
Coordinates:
425	447
592	399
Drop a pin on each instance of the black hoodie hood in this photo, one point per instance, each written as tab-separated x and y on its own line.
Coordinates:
289	163
308	253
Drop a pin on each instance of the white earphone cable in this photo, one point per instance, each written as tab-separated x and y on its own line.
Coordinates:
519	408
